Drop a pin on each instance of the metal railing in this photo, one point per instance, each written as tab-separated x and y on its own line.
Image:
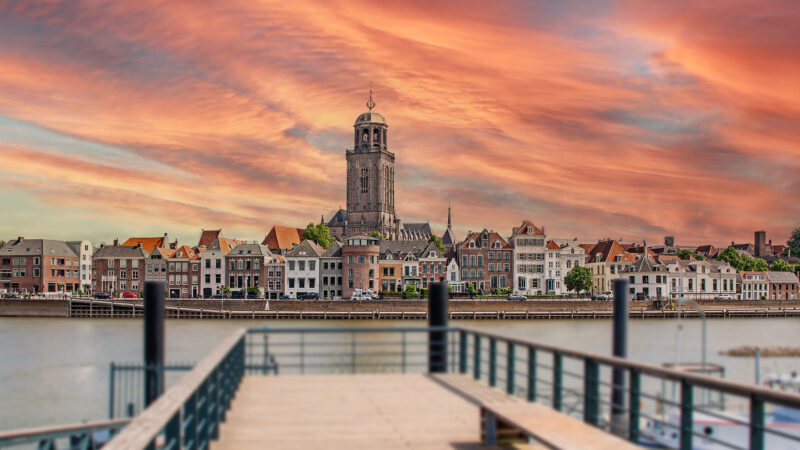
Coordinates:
126	385
573	382
84	436
188	414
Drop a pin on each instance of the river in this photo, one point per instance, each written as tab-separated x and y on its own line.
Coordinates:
55	371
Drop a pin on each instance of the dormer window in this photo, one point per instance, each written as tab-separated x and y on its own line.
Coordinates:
496	244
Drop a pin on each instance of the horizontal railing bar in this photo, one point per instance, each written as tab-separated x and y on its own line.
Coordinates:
350	330
26	435
716	440
775	432
727	386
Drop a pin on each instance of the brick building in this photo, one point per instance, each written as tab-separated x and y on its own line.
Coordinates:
39	265
183	273
360	265
245	264
330	272
782	285
274	276
117	269
485	261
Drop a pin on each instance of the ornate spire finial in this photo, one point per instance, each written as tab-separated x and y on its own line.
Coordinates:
449	224
370	102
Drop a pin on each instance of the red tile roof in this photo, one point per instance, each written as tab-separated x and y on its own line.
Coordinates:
148	244
207	238
551	245
282	238
493	236
523	229
185	252
587	248
226	245
607	251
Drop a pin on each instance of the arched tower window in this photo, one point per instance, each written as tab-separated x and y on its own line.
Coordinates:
364	180
376	136
365	136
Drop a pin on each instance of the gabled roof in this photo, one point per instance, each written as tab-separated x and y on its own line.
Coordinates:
226	245
396	247
164	252
36	247
207	238
778	249
431	248
305	249
640	250
781	277
646	265
250	249
478	238
148	243
607	251
449	237
551	245
185	252
338	218
587	248
527	227
414	231
333	251
282	238
706	250
120	251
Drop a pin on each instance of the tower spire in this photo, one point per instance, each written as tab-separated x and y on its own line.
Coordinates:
449	224
370	102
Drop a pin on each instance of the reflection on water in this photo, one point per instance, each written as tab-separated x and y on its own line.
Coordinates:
56	370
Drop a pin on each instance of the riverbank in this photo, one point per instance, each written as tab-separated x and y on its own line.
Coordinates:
388	309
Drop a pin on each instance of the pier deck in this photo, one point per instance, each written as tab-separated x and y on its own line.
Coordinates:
353	411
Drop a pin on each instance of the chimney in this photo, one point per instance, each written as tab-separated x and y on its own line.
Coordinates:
20	239
116	242
139	245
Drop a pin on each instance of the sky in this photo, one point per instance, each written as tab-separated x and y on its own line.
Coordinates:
629	120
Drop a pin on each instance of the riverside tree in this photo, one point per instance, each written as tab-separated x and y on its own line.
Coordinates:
319	233
688	254
781	266
793	244
378	235
579	279
438	242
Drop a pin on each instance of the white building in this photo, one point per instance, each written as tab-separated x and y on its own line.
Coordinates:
701	280
647	279
755	285
302	269
607	261
454	276
561	256
212	272
84	250
529	252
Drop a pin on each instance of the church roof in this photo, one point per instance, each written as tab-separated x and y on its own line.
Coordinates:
449	237
338	218
282	238
414	231
370	117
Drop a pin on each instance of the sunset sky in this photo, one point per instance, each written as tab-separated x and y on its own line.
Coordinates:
595	119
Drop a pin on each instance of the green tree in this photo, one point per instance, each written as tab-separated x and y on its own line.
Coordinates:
2	244
319	233
410	291
688	254
781	266
758	264
438	242
376	234
732	257
579	279
226	290
793	243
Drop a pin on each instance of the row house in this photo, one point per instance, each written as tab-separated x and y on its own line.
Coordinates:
39	265
700	280
156	264
647	278
213	248
782	285
432	266
360	257
607	261
245	263
302	269
273	277
561	257
117	268
330	272
410	270
529	252
753	285
454	275
485	259
183	273
390	272
84	249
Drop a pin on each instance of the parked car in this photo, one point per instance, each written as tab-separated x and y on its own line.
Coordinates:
308	296
102	295
129	295
723	297
358	297
516	297
252	295
641	296
237	294
601	297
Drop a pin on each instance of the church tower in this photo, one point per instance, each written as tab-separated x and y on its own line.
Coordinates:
370	177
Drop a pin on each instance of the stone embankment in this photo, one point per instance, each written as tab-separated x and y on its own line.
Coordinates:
749	351
388	309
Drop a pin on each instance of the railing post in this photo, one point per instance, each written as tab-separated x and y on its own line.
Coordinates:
591	391
111	387
510	359
633	405
213	405
172	432
462	355
619	347
203	414
189	422
437	317
476	358
557	380
756	423
492	362
531	373
687	400
153	341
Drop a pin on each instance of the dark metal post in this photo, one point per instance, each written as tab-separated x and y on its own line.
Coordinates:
620	349
756	423
437	317
633	405
462	356
558	361
687	406
531	373
153	341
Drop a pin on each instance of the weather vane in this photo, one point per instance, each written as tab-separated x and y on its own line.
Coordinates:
370	102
